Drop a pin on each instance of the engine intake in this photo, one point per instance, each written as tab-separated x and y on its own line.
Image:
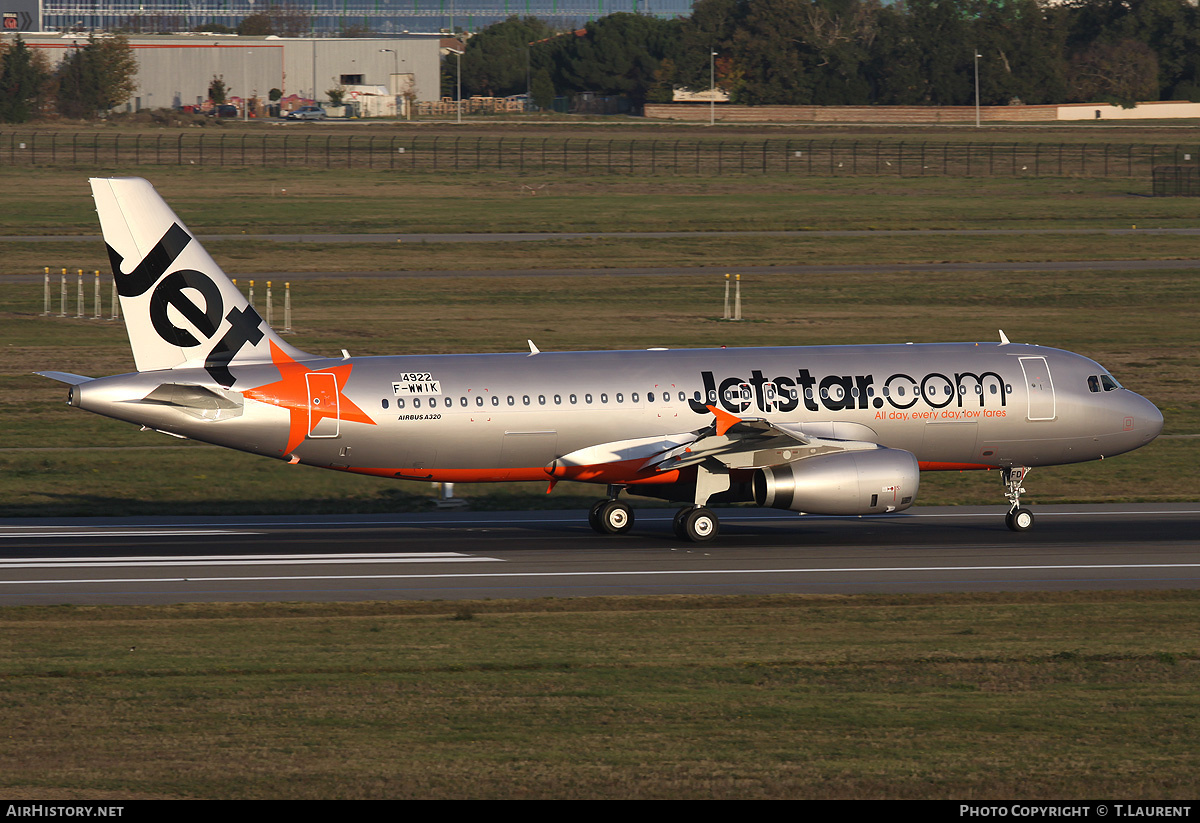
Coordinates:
852	482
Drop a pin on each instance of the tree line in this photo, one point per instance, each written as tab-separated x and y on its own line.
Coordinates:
855	52
90	79
787	52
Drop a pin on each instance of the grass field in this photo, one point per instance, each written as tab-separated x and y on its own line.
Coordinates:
1030	696
1035	696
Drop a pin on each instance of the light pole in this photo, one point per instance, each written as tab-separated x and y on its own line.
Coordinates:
458	90
977	56
712	87
245	99
395	78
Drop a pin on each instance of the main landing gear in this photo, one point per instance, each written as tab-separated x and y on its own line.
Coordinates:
1019	519
696	524
611	516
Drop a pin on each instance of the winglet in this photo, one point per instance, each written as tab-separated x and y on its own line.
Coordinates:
1003	338
533	349
725	420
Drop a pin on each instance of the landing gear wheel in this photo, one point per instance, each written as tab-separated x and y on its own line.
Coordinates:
1019	520
613	517
594	516
677	524
700	525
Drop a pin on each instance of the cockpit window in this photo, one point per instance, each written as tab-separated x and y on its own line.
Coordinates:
1110	383
1093	383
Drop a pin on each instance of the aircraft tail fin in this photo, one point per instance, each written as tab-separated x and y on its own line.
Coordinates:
180	309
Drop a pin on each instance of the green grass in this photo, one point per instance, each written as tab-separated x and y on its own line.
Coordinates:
226	200
1040	696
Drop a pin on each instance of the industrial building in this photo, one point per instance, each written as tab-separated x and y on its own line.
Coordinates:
175	71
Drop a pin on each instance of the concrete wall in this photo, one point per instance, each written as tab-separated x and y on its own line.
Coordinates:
891	115
1144	111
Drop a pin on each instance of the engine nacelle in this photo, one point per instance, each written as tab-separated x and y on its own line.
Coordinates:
851	482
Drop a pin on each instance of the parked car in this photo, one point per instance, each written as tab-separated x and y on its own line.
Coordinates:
224	110
307	113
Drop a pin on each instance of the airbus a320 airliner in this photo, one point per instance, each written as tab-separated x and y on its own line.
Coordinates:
833	430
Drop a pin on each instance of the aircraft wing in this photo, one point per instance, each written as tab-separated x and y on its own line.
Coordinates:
737	442
753	443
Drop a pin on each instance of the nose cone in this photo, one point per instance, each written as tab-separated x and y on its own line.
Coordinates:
1149	422
1143	421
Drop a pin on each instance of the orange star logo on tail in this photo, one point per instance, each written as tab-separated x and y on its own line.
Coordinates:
308	401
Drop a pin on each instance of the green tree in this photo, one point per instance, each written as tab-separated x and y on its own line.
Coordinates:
543	89
499	60
255	25
96	77
20	83
619	54
1122	73
216	90
768	48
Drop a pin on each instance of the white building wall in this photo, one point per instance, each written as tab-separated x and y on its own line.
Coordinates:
175	70
1156	110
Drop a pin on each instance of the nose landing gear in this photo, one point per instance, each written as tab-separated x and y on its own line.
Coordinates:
1019	518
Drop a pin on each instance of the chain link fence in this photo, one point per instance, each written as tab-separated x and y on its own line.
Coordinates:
586	156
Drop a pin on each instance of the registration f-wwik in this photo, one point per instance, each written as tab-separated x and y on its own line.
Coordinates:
834	430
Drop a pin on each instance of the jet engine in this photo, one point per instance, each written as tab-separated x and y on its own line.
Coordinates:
850	482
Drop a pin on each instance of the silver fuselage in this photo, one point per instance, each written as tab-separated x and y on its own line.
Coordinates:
496	417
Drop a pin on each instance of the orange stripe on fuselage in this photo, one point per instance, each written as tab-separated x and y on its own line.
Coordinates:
611	473
927	466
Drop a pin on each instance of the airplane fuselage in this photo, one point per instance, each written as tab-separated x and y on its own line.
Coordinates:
496	417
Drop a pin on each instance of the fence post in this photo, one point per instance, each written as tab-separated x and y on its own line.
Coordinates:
97	296
62	297
46	300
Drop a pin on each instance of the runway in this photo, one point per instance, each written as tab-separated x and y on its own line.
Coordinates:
456	555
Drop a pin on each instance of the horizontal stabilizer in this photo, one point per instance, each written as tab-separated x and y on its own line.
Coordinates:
66	377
